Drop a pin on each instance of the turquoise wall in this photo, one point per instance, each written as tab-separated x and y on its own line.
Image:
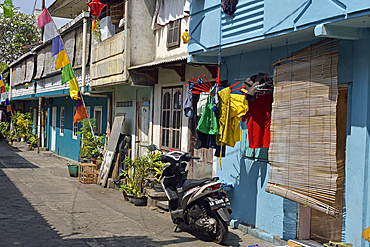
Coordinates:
66	146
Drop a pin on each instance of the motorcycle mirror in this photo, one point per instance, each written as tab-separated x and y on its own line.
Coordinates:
152	148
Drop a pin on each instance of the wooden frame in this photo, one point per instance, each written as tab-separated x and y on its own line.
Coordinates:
171	118
173	33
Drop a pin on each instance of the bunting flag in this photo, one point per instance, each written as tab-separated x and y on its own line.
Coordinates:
4	95
80	110
50	30
67	75
58	52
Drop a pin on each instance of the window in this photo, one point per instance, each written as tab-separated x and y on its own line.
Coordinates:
98	119
75	125
171	118
62	121
173	35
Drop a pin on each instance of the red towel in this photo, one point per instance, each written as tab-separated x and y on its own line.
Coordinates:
258	121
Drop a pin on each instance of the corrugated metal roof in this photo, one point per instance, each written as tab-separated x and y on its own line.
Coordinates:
162	61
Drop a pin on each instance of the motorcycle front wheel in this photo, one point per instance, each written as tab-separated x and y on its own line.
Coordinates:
219	234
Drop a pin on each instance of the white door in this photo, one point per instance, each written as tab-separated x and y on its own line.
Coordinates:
53	129
143	121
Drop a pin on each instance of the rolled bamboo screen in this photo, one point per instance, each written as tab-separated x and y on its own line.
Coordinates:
303	127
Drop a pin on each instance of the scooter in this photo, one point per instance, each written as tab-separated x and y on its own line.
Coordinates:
199	204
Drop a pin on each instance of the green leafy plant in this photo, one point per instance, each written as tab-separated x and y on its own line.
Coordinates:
137	172
90	144
33	138
22	123
4	128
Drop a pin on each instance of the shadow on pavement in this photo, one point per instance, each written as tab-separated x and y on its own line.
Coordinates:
22	225
10	158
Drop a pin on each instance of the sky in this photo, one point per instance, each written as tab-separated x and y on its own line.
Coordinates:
26	6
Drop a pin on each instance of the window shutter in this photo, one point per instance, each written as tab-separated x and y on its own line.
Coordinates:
303	128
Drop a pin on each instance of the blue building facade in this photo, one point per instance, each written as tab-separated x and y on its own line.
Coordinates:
250	41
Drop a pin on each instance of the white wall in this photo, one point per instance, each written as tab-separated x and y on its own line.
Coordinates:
169	78
161	41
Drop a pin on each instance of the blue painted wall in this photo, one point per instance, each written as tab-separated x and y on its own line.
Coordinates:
250	203
66	146
260	19
357	183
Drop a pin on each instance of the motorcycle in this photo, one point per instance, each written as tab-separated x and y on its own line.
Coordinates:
200	204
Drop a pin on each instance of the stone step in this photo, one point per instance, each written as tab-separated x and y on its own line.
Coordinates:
163	205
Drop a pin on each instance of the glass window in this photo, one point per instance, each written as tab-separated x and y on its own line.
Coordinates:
171	118
173	34
98	119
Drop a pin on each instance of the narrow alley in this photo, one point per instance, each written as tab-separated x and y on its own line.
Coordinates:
41	205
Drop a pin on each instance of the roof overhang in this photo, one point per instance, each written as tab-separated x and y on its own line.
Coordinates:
67	8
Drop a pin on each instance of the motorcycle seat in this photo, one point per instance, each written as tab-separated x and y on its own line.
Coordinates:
191	183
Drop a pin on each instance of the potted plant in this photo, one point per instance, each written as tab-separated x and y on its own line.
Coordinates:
138	171
90	143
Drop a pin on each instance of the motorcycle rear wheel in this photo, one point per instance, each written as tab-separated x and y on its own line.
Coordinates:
219	234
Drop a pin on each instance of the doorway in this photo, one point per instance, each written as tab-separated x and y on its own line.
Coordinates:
53	128
143	122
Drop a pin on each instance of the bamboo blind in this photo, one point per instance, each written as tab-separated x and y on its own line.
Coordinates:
303	127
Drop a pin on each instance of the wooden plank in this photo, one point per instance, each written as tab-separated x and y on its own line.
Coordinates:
115	171
111	148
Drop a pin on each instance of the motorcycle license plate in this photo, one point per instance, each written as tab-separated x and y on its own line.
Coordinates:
223	202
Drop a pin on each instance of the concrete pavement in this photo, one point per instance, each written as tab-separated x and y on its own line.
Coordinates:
40	205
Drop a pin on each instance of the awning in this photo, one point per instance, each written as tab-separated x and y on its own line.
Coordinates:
181	57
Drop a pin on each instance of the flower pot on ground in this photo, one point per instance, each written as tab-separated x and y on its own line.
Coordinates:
73	170
140	200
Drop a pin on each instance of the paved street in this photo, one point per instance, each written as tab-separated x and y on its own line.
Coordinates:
40	205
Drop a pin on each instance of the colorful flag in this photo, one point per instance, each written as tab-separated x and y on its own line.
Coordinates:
8	106
67	75
58	53
80	110
4	93
50	30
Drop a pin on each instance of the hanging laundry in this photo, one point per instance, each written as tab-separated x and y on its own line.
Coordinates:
229	6
258	121
257	154
205	140
208	123
203	96
257	85
188	103
231	108
219	152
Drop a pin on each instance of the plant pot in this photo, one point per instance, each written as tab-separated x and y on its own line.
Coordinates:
73	170
140	201
130	197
